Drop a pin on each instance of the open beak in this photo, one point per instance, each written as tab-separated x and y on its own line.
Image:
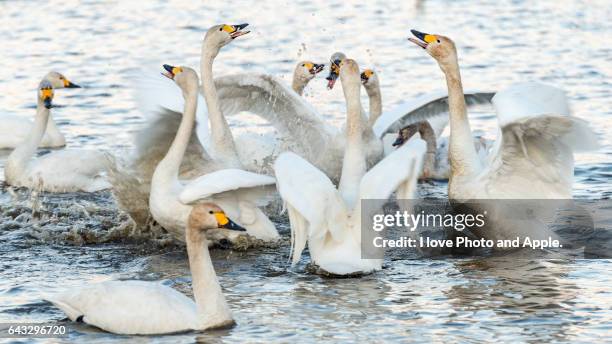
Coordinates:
169	72
364	78
398	141
334	72
238	30
421	40
317	68
225	222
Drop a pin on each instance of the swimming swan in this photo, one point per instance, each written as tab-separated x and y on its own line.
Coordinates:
533	155
329	218
236	190
15	129
67	170
147	308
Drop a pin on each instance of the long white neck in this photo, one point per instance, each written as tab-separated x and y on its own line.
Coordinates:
54	134
299	83
222	141
354	163
19	158
375	100
168	168
213	310
462	153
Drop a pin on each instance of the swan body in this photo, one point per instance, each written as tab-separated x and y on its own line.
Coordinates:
146	308
15	129
67	170
328	218
533	155
237	191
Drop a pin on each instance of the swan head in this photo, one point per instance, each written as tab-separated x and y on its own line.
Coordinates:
45	93
220	35
439	47
334	69
185	77
369	78
349	75
58	80
307	70
405	134
207	216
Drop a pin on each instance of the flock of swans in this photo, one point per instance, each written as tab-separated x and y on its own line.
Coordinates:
201	184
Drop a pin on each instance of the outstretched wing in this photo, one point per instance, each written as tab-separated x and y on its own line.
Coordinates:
535	157
157	95
400	168
314	204
422	108
222	181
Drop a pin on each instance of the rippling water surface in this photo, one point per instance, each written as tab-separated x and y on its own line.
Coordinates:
49	242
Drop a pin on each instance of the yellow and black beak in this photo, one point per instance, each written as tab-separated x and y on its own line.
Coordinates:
316	68
365	76
69	84
171	71
236	31
423	38
46	94
334	72
224	222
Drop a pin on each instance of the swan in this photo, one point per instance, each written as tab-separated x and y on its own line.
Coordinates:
435	163
302	74
147	308
328	219
67	170
533	155
15	129
236	190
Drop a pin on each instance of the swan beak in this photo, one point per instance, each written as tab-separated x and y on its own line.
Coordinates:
171	71
365	76
398	141
224	222
236	30
423	38
317	68
47	97
334	72
69	84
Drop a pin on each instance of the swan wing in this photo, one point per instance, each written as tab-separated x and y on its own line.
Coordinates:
399	169
314	204
424	107
155	93
128	307
535	157
222	181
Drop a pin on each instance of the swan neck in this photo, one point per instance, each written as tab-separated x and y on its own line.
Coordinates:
354	164
222	141
171	163
212	307
462	153
429	136
375	99
298	84
53	132
20	156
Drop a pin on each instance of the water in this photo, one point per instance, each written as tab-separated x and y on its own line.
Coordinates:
79	238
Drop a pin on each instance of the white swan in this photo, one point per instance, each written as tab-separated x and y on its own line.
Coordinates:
302	74
236	190
66	170
15	129
436	164
147	308
533	156
329	218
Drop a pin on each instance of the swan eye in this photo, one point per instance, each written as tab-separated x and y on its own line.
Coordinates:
210	212
438	40
220	29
